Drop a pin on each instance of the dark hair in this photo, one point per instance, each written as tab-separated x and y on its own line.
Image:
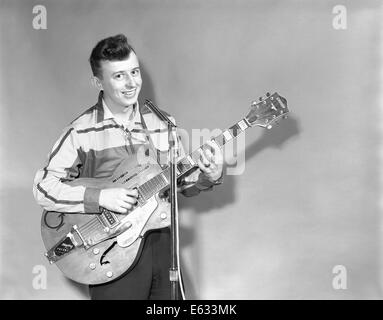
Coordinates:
114	48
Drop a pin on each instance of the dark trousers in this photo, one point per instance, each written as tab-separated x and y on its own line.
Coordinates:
148	279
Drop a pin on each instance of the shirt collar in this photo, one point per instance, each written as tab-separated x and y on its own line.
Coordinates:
108	115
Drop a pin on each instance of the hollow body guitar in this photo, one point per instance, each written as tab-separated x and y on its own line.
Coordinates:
98	248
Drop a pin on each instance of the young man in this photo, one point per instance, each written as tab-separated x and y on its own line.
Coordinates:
94	144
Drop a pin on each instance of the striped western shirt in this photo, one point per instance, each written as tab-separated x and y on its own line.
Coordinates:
92	146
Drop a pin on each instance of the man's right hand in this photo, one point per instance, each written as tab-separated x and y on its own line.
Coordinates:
118	199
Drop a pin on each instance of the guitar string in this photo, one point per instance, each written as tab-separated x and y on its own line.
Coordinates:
89	227
92	232
89	224
94	226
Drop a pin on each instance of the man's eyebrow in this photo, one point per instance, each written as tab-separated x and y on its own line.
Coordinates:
120	71
123	71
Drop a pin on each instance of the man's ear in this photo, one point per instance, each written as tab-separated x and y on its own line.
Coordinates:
96	82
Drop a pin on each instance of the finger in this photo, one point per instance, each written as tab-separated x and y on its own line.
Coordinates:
209	156
217	152
209	166
130	200
204	159
120	209
214	146
125	205
131	192
203	167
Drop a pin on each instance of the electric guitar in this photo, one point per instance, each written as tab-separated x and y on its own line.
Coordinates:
98	248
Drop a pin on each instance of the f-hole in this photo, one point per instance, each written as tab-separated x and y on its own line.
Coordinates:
102	262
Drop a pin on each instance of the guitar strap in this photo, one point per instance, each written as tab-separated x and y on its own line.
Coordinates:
149	139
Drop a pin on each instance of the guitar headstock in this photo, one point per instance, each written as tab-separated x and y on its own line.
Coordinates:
267	110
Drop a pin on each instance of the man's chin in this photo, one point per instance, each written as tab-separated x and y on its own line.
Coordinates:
128	101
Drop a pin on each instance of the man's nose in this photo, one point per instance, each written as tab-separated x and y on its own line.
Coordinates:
130	81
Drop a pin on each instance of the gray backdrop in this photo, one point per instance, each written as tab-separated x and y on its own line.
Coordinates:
308	198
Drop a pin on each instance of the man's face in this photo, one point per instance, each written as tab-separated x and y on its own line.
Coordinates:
121	81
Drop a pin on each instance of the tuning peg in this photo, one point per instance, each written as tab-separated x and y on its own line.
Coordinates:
269	126
284	117
260	98
268	94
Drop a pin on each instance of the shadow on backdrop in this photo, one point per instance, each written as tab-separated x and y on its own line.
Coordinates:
274	138
224	195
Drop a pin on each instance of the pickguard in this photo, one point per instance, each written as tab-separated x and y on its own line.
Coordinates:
138	218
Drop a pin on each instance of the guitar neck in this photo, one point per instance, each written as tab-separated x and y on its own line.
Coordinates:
188	163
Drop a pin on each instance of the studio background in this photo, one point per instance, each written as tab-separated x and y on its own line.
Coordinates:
309	197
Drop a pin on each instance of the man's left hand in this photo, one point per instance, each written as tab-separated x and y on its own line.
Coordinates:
211	161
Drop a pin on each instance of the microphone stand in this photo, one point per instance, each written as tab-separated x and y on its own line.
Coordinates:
173	147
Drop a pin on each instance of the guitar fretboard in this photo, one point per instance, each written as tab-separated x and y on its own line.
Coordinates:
186	164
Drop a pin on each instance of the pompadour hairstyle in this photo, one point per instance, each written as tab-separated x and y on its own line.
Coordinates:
115	48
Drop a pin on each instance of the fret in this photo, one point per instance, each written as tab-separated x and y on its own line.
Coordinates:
142	194
162	180
152	183
220	140
243	124
161	183
152	186
146	190
166	173
205	147
191	161
146	187
183	166
195	155
235	130
227	135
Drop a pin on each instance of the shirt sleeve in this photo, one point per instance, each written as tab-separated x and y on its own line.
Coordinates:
52	187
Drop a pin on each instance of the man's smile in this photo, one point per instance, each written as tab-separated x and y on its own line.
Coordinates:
129	93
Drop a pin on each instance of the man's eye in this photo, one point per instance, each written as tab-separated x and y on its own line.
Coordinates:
119	76
136	72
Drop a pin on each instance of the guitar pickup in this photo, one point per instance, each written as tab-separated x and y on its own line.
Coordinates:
108	218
